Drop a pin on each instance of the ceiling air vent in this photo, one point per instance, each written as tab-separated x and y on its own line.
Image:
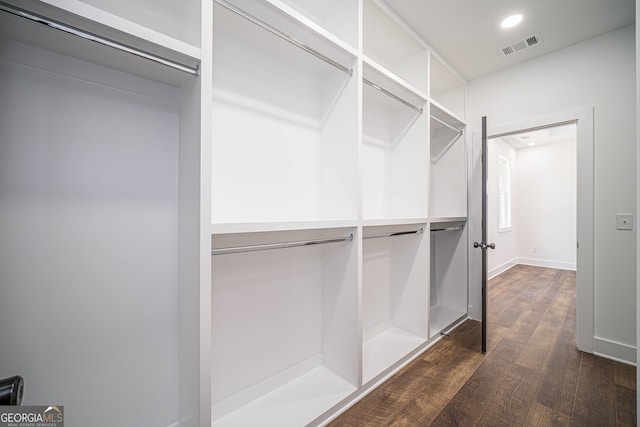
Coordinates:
521	44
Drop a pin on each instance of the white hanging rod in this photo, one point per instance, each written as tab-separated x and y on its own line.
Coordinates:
95	38
399	233
392	95
442	122
284	36
457	227
283	245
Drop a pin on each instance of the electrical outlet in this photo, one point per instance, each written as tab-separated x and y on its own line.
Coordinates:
624	221
535	249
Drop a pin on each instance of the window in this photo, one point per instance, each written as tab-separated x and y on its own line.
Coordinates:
504	195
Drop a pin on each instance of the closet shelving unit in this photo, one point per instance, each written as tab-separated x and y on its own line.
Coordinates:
100	150
236	196
284	174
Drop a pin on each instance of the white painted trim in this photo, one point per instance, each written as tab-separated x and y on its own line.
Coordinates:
584	117
561	265
502	268
614	350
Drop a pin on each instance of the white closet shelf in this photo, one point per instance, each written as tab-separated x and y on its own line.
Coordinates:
295	403
314	13
383	350
393	221
447	221
275	18
257	227
79	37
82	15
444	114
378	74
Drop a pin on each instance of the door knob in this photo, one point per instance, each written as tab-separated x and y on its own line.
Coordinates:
483	245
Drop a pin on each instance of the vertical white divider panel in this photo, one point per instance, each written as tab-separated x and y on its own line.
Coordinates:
341	337
195	240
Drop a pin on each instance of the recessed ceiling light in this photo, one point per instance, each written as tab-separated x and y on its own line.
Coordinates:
531	144
511	21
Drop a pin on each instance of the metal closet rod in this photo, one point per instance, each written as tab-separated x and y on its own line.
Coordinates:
282	245
42	20
442	122
392	95
284	36
399	233
457	227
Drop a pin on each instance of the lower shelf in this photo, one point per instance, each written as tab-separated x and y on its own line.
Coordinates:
385	349
296	403
441	316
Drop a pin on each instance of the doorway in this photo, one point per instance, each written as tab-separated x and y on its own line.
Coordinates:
532	210
583	120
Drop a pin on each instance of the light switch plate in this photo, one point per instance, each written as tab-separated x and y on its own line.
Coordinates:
624	221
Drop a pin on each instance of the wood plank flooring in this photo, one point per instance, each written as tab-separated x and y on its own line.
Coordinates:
532	374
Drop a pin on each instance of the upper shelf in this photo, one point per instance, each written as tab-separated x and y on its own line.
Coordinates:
251	18
154	56
171	23
445	130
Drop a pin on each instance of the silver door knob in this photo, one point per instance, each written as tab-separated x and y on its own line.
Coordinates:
483	245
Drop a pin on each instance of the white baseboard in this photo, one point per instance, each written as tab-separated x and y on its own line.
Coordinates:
561	265
501	268
614	350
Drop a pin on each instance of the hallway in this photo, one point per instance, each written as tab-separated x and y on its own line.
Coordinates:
531	375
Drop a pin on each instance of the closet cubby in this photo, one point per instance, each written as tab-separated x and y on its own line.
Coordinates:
284	121
447	87
394	296
95	165
394	154
448	274
389	42
284	325
448	169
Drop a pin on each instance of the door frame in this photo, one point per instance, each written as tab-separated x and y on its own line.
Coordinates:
584	118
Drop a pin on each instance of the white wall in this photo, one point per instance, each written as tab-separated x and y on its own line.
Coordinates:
506	242
546	177
601	73
637	198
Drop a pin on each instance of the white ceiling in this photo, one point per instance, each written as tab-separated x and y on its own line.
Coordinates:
467	33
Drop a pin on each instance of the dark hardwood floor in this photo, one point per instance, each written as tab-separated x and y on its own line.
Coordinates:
532	374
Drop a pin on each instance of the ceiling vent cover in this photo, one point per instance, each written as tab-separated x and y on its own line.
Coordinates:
521	44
